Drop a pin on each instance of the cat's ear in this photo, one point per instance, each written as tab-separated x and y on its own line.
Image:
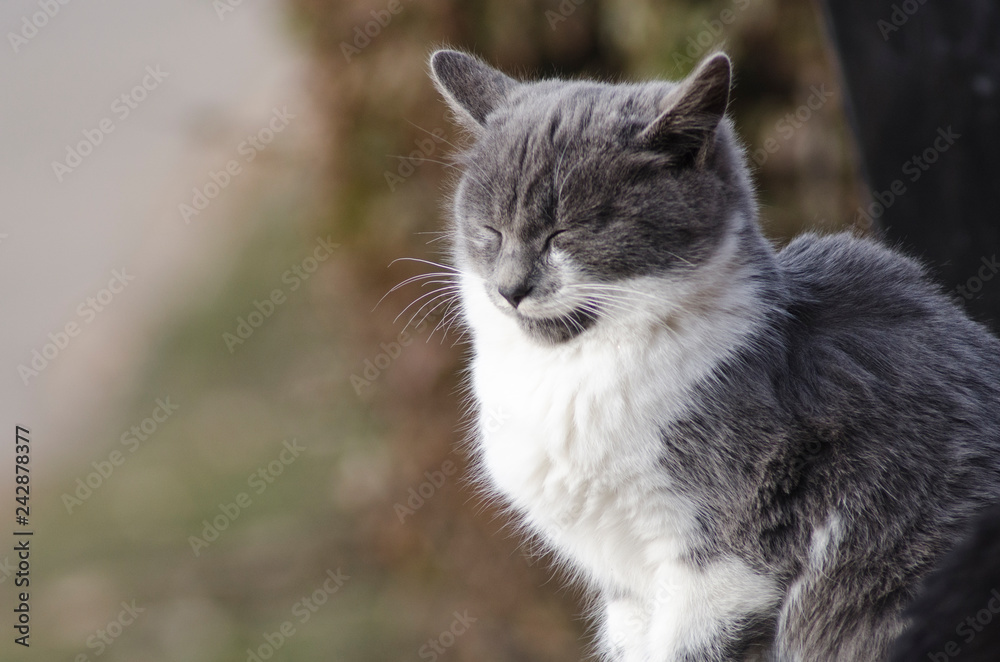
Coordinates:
472	88
692	112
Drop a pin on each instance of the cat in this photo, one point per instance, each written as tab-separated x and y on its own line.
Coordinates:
742	453
956	616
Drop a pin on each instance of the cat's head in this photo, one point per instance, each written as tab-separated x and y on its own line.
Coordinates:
571	190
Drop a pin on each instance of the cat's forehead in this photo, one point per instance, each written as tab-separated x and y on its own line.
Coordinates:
557	112
550	135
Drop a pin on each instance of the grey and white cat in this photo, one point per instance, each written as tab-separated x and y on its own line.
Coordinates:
746	454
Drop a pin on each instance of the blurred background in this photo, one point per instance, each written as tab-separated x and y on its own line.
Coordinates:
236	455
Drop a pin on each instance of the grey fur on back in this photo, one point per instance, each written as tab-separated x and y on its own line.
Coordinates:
843	445
957	614
870	395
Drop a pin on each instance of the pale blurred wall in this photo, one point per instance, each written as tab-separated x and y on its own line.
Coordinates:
119	207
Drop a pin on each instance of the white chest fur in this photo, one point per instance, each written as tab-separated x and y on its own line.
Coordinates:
570	436
572	440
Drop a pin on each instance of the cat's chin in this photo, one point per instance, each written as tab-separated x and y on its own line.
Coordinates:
556	330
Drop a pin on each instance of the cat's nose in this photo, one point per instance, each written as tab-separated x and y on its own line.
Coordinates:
515	294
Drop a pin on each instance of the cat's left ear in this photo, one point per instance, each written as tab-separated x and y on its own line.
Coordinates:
692	112
472	88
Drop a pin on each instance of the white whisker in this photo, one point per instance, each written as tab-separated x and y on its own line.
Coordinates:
412	279
422	261
440	293
419	298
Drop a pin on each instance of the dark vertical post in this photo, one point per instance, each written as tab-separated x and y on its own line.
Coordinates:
923	80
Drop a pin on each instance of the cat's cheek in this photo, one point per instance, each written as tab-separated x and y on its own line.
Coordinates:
486	321
478	256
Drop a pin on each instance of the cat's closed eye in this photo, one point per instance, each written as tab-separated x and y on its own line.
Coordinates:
490	237
548	240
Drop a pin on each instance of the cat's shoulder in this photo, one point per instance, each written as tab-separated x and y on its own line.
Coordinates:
849	260
851	273
859	293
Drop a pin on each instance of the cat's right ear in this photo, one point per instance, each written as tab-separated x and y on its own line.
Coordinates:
472	88
692	112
